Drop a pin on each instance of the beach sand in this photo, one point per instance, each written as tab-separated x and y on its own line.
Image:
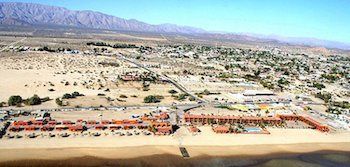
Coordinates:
205	144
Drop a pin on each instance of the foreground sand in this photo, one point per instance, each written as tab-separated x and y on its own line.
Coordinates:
206	138
207	143
144	151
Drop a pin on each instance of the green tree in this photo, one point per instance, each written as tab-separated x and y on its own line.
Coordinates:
182	96
15	100
151	99
35	100
67	96
59	102
75	94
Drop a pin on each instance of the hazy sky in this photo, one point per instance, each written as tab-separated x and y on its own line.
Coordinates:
323	19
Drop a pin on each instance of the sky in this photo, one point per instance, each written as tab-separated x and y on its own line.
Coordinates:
321	19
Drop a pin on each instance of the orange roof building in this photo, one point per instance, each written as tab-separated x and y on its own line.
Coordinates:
221	129
215	119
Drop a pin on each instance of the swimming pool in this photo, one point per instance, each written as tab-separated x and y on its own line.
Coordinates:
252	129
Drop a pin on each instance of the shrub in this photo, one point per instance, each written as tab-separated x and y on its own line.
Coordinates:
76	94
51	90
15	100
35	100
283	81
71	96
113	64
191	98
182	96
159	97
152	99
67	96
224	107
59	102
172	91
45	99
319	86
123	96
121	100
330	77
343	104
326	97
206	92
109	98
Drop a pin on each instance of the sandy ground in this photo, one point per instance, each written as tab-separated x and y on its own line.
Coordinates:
37	73
182	137
95	115
196	84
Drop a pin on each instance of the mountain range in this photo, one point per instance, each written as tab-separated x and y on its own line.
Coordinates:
14	13
27	14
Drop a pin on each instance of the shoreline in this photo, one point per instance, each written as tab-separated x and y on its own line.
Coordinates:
134	152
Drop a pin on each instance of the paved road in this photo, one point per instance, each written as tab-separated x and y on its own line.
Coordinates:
176	84
309	103
180	111
181	106
244	103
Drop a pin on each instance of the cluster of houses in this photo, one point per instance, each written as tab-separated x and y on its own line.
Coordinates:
224	122
261	97
157	124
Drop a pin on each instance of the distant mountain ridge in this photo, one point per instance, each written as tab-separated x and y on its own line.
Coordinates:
303	41
17	13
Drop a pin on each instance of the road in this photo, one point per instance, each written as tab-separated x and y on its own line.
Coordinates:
270	102
181	106
176	84
308	103
179	111
13	43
